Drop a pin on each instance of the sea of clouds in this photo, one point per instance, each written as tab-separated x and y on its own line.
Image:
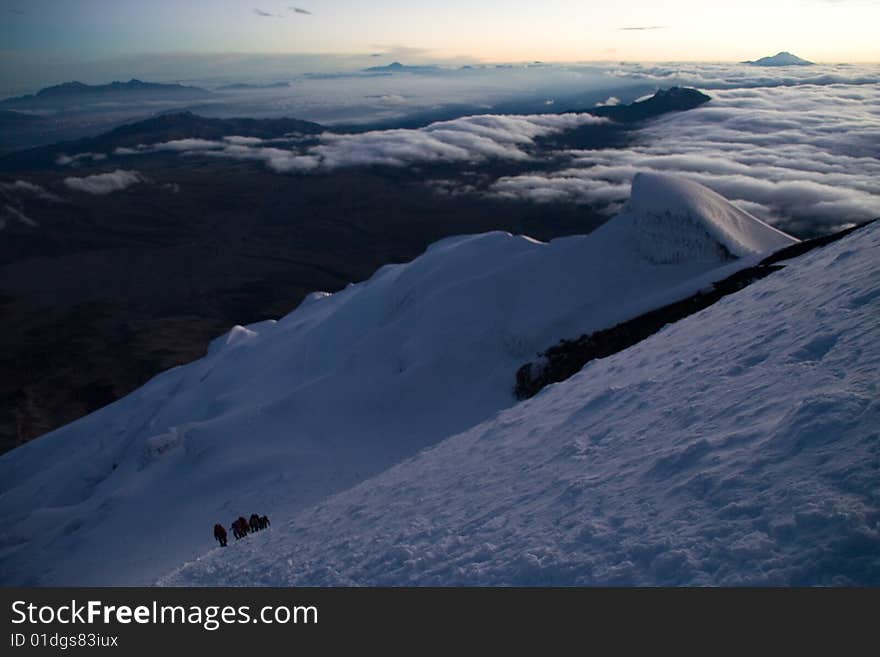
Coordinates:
470	139
806	156
797	146
105	183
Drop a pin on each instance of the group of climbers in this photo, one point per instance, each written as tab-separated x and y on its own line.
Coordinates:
241	527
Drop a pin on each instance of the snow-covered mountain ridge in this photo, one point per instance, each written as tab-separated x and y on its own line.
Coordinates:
280	415
739	446
679	220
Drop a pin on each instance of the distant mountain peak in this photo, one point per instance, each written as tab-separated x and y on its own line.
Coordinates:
783	58
76	90
397	67
674	99
168	126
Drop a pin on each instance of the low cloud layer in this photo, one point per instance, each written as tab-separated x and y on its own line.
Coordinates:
739	76
75	160
105	183
804	158
178	145
22	189
468	139
11	214
15	196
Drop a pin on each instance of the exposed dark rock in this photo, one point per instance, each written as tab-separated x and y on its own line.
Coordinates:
675	99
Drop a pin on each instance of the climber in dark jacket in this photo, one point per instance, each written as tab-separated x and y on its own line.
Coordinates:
264	522
220	534
240	528
255	522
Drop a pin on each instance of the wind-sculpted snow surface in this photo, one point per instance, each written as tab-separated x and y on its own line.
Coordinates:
279	415
740	446
678	220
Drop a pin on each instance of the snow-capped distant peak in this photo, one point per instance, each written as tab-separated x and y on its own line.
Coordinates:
677	220
783	58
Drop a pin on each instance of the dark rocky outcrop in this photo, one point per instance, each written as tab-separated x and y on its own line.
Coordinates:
675	99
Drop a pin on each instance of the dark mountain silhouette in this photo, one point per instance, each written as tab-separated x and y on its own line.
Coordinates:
783	58
77	91
185	125
397	67
12	119
165	127
624	118
675	99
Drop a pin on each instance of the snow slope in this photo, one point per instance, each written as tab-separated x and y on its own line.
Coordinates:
279	415
738	446
676	219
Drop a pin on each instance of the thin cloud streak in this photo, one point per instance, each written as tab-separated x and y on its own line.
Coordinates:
105	183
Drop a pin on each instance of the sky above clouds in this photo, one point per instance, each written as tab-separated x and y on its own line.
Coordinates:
479	30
